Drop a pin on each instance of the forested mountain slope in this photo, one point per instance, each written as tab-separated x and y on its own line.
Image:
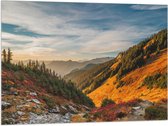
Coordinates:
141	57
137	83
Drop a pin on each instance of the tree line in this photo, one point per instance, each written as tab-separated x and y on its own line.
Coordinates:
46	78
6	56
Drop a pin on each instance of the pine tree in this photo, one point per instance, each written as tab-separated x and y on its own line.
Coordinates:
50	71
33	64
54	73
22	64
29	64
37	65
43	67
9	56
4	56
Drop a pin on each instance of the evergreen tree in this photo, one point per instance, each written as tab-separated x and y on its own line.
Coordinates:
9	56
36	65
43	67
50	72
4	56
29	64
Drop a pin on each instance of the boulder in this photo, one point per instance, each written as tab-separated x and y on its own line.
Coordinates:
136	108
72	109
33	93
5	105
63	107
36	101
8	121
20	113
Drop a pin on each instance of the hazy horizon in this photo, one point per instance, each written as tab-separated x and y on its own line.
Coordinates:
76	31
84	60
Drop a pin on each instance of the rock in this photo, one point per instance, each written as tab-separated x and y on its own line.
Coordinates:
33	93
73	109
63	107
27	92
48	118
15	93
20	113
12	93
11	82
67	116
5	105
56	110
8	121
146	103
86	107
36	101
24	118
23	106
52	111
29	100
136	108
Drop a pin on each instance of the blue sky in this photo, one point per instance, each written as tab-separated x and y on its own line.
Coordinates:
77	31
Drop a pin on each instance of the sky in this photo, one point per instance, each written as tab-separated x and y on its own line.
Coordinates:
76	31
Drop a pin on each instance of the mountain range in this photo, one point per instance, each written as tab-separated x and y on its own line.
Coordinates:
64	67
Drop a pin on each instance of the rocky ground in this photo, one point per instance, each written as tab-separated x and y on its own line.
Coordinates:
130	111
137	112
24	102
26	110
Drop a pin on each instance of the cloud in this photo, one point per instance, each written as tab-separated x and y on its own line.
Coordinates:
72	31
148	7
118	39
36	18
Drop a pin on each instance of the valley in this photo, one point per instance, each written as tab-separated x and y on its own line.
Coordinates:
129	87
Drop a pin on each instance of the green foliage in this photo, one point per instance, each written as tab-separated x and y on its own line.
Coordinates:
121	115
6	56
21	77
6	87
106	102
155	113
52	83
131	59
49	101
160	42
120	84
157	80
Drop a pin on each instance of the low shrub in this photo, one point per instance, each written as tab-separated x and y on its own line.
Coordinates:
121	115
106	102
120	84
157	80
50	103
155	113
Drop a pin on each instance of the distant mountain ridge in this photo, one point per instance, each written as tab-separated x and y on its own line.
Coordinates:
64	67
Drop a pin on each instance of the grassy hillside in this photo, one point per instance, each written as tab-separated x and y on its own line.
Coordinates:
126	62
133	83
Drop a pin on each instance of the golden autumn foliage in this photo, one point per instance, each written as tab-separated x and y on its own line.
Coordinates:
132	89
